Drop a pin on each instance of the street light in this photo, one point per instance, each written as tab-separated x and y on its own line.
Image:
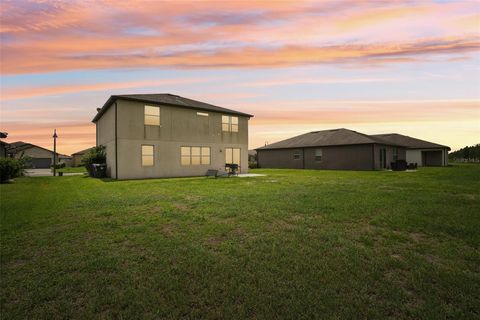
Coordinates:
54	151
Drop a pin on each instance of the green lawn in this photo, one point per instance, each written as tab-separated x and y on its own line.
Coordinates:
72	169
294	244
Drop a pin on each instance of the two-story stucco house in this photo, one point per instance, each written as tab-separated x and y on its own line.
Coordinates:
164	135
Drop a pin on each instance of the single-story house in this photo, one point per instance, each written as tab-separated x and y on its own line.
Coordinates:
41	158
422	152
165	135
78	156
338	149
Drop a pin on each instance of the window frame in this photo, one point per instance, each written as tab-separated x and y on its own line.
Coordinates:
202	156
297	155
151	115
318	158
233	155
152	155
229	125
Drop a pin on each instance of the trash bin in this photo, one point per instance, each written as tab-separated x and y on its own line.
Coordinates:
99	170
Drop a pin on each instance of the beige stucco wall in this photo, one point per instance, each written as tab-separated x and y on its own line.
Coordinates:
106	137
179	127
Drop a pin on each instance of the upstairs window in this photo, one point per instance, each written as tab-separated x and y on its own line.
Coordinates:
147	155
318	155
234	124
195	156
152	116
229	124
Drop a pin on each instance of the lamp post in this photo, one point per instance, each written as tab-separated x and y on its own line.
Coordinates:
54	152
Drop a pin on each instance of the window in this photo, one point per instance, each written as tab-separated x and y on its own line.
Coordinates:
194	156
225	123
234	123
147	155
152	116
185	156
202	114
205	155
318	154
296	155
229	124
232	155
395	154
383	158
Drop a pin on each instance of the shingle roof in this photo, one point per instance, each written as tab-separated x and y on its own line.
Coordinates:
82	151
167	99
334	137
409	142
20	146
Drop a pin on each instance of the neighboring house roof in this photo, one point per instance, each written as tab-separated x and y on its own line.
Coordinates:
334	137
20	146
82	152
167	99
409	142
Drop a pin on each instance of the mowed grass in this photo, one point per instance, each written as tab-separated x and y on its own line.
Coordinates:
294	245
73	170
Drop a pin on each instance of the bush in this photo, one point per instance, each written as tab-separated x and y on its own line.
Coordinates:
59	165
11	168
252	164
96	155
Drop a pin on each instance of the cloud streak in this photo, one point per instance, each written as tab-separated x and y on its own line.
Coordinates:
104	34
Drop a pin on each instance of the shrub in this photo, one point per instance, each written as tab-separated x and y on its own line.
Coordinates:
11	168
59	165
96	155
252	164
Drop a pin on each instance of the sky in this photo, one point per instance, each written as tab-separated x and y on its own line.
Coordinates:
411	67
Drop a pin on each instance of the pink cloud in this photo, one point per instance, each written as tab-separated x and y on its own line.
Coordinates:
122	34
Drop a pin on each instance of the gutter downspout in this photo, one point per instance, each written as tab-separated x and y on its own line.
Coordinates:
116	144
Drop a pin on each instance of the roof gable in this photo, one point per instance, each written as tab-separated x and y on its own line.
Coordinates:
167	99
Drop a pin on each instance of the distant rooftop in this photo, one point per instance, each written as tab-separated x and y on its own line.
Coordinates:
168	99
333	137
409	142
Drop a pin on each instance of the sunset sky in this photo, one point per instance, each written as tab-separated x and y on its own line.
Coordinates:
411	67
